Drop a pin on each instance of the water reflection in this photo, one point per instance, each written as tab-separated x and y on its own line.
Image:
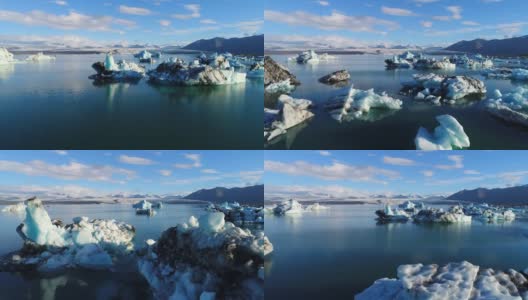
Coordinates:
6	70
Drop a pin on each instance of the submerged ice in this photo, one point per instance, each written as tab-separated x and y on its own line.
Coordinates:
448	135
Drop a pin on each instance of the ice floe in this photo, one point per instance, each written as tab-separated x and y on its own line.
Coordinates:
178	73
358	103
109	71
278	76
436	215
50	246
505	73
239	214
435	88
293	207
311	57
291	112
144	56
448	135
336	77
387	214
206	259
15	208
462	280
6	57
474	62
511	107
40	57
432	63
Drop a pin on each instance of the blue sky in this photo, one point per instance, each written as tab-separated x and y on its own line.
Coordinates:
342	173
99	173
174	22
347	23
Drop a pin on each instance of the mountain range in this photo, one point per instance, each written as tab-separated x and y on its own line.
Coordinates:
517	46
251	45
517	195
250	195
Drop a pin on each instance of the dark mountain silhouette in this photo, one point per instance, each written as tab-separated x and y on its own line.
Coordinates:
251	45
250	195
517	195
517	46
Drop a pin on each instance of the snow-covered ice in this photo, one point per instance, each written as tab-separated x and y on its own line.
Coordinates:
201	259
358	103
434	87
448	135
435	215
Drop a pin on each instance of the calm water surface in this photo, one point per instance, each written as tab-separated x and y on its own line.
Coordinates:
339	252
53	105
81	284
392	129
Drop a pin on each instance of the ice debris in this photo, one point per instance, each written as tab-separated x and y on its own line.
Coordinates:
206	259
462	280
15	208
122	71
358	103
50	246
511	107
310	57
435	88
291	112
39	57
335	77
505	73
392	215
292	207
239	214
144	56
448	135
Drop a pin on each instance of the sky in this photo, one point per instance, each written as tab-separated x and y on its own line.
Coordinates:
100	173
346	23
360	173
101	22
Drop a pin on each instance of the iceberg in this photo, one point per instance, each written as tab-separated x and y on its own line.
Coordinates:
292	112
434	86
15	208
402	61
50	246
144	56
307	57
453	281
431	63
281	87
387	214
256	70
434	215
288	207
239	214
201	259
109	71
316	207
511	107
157	205
358	103
143	204
6	57
39	57
177	73
335	77
276	73
448	135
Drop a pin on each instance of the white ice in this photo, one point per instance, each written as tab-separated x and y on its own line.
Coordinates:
292	112
280	87
15	208
40	57
143	204
123	69
448	135
6	57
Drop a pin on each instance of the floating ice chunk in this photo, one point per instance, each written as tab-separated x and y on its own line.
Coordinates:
335	77
450	134
382	289
316	207
176	73
288	207
519	74
491	284
443	86
6	57
15	208
292	112
511	107
157	205
308	57
390	215
143	204
238	214
359	102
256	70
92	256
144	56
39	228
39	57
434	215
280	87
110	71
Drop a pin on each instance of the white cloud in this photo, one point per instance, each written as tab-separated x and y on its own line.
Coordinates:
334	21
311	192
425	1
164	22
131	10
400	12
334	171
428	173
208	21
471	172
209	171
457	163
427	24
194	12
60	2
60	152
325	153
470	23
456	14
135	160
70	171
398	161
71	21
195	162
165	173
323	3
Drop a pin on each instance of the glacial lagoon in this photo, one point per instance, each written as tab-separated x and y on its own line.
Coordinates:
342	250
53	104
388	129
124	283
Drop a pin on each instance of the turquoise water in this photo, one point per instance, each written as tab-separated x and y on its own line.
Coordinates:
53	105
339	252
392	129
124	283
